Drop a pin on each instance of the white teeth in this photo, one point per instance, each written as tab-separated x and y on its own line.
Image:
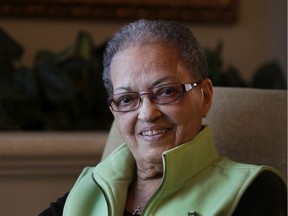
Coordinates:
154	132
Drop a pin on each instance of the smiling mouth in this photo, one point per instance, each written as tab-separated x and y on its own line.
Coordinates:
154	132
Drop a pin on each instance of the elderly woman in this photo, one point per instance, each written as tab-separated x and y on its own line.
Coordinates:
156	75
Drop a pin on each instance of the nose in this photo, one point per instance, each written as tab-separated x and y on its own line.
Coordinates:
148	111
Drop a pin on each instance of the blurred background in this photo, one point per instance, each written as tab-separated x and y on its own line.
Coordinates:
51	53
54	118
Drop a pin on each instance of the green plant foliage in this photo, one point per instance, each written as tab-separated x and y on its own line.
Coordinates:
62	91
268	76
218	75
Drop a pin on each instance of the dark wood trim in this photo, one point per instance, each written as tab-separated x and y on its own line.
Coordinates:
213	11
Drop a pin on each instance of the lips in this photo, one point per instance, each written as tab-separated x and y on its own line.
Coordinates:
153	132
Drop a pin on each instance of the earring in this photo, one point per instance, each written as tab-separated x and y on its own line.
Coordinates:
204	115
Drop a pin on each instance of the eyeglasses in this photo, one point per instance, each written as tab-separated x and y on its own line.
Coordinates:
162	94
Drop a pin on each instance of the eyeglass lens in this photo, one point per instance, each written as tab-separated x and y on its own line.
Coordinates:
161	95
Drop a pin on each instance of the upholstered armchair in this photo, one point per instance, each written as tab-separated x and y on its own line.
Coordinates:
249	125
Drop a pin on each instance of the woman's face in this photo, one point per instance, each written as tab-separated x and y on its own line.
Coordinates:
152	128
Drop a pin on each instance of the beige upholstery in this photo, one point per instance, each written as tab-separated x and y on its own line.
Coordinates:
249	125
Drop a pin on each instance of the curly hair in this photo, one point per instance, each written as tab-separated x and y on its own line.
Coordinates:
143	32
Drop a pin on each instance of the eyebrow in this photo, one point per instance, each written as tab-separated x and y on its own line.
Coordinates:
128	89
155	83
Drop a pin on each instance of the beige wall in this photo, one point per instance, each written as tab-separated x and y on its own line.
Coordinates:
258	37
38	168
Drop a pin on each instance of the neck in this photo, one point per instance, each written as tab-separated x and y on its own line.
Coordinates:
140	192
149	171
146	182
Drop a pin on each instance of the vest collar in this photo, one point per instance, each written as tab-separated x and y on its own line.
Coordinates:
180	163
187	160
115	174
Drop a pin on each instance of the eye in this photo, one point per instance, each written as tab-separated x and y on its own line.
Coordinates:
167	91
124	100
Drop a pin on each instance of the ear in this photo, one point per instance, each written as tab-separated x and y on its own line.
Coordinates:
112	111
207	95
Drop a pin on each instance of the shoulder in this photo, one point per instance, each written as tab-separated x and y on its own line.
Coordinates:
265	196
249	170
262	190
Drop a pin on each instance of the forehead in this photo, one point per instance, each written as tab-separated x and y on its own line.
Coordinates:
146	55
145	65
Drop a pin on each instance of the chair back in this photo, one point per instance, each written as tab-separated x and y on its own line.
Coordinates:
249	126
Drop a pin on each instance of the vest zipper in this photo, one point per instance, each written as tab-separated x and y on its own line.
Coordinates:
158	190
105	195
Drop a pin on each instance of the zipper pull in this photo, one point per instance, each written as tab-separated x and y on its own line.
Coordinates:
192	213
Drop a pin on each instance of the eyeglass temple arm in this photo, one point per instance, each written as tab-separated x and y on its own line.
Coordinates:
189	86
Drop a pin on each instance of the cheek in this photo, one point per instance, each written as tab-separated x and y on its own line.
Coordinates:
188	122
185	114
126	125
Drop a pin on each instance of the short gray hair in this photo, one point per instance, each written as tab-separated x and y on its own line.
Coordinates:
144	32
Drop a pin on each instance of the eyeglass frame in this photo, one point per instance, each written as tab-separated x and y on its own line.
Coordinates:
185	87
